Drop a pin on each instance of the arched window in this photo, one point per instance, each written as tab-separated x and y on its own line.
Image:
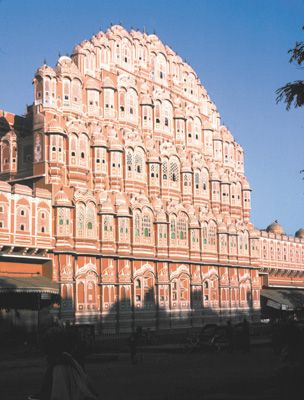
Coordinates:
146	116
139	161
122	103
108	102
107	227
180	291
182	229
66	91
47	91
132	105
91	298
174	173
197	130
246	243
126	53
84	155
157	114
80	219
187	183
76	91
212	236
104	56
173	232
231	152
165	177
90	220
167	116
73	149
137	226
80	291
180	129
205	183
197	183
129	163
204	235
238	200
147	227
190	132
160	72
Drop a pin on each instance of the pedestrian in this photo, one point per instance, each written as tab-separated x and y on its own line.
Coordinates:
64	378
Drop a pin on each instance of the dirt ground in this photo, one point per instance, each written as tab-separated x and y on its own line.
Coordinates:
158	376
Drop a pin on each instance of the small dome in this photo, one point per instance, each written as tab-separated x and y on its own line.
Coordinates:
300	233
61	199
276	228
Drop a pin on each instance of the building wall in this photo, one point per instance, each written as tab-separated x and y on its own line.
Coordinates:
151	207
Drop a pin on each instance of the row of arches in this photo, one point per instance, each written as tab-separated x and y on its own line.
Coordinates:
179	293
281	252
23	216
132	52
142	229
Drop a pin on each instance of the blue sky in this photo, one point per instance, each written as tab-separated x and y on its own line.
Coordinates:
238	49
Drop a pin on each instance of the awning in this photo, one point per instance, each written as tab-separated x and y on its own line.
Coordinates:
33	284
284	299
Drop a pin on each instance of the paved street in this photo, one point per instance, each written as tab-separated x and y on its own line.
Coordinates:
159	376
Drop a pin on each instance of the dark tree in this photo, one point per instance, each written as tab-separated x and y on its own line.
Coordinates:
293	92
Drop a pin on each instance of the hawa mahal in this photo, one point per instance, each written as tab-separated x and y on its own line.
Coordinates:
122	191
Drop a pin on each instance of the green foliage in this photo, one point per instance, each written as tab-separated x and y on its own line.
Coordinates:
293	92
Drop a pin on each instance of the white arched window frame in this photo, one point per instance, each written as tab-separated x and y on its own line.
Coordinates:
129	163
132	105
238	199
66	88
116	169
137	220
205	183
107	227
139	163
187	183
167	116
147	227
165	172
197	183
212	236
47	91
173	229
146	116
109	102
91	220
158	115
122	103
160	71
73	156
76	91
43	220
126	50
190	131
182	230
174	173
80	219
231	153
197	130
180	129
84	155
123	229
246	243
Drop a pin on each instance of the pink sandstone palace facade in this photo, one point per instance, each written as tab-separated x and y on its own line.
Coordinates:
122	186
